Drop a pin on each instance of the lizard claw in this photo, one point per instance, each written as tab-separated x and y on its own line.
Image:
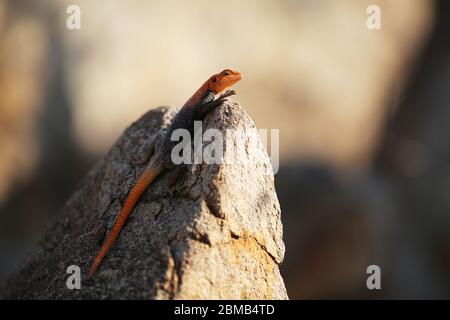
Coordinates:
227	94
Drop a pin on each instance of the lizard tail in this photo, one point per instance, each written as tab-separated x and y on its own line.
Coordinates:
141	185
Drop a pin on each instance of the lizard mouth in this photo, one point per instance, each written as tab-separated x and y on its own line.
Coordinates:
235	77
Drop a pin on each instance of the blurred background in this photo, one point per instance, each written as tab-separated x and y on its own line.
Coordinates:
364	119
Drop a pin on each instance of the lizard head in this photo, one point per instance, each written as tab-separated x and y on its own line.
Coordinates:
219	82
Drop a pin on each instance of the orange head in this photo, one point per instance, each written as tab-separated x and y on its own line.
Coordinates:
219	82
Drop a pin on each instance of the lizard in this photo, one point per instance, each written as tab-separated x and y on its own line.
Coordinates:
195	108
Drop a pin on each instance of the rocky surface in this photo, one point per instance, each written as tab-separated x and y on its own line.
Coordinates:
215	234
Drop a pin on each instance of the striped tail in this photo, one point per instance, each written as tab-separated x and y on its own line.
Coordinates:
141	185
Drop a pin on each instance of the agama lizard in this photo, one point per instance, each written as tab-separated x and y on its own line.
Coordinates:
194	109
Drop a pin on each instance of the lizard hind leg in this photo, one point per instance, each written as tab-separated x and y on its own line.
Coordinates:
149	152
175	174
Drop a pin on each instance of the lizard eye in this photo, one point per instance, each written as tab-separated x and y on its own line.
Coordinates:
214	80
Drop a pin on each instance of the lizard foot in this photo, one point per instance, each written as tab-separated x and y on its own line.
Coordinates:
150	152
226	94
175	174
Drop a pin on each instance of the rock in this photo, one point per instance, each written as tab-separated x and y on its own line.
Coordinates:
215	234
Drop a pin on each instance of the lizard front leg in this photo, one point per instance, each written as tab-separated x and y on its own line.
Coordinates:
204	108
